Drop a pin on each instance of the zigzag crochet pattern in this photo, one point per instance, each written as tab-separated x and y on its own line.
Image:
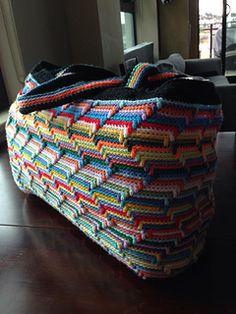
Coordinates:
135	176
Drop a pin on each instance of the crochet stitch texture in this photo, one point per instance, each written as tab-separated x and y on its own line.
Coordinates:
135	176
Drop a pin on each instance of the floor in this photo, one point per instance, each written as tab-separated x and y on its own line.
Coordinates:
48	266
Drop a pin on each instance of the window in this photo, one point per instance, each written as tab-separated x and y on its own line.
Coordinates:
127	23
218	32
127	18
210	21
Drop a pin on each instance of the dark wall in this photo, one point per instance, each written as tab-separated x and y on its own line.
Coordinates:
174	28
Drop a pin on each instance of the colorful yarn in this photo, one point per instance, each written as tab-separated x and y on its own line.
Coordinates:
149	71
134	176
63	93
138	72
161	76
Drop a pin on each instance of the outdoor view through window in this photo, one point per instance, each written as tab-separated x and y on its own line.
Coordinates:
210	19
210	31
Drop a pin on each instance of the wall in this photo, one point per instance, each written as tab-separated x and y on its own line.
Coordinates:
146	20
174	28
111	33
11	65
83	30
58	31
41	31
194	28
94	32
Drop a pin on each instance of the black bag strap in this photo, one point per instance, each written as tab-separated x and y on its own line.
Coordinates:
49	86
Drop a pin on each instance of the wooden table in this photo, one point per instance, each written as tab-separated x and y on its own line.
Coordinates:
48	266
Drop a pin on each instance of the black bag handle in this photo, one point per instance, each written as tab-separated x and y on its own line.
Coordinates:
49	86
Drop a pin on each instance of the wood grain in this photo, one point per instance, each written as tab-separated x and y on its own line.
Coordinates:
49	266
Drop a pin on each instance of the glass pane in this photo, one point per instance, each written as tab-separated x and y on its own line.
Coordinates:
127	23
210	20
230	54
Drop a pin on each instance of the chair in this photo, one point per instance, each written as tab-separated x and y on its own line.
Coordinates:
211	69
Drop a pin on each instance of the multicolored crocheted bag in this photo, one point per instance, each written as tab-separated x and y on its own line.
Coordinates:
129	161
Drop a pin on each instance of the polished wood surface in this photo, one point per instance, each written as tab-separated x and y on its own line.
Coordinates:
48	266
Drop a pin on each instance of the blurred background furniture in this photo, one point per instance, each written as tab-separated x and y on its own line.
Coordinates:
143	52
212	69
139	53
